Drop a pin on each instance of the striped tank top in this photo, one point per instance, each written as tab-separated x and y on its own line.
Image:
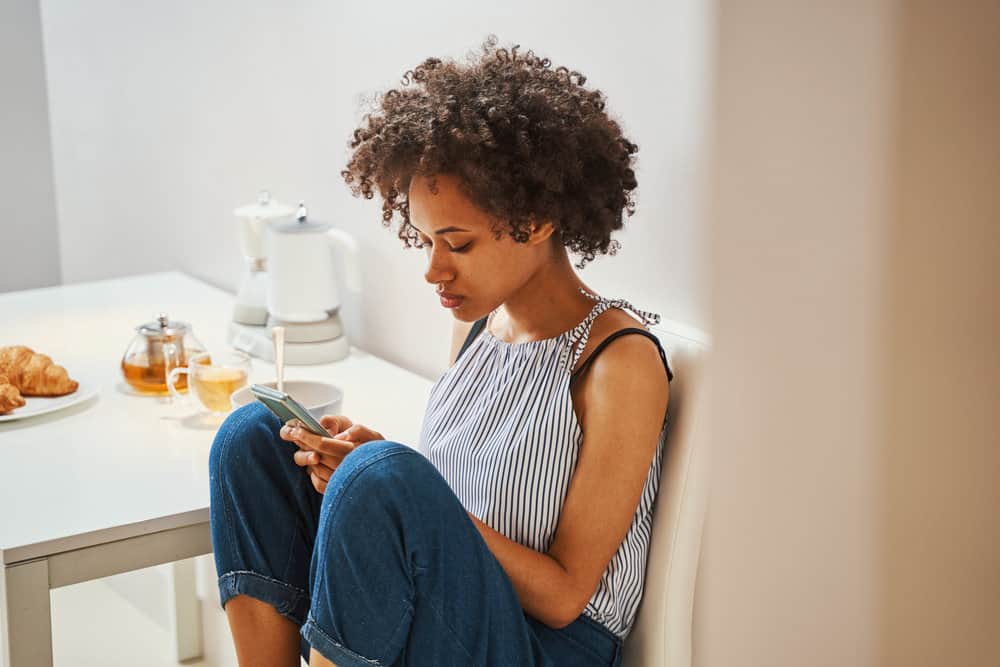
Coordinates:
501	429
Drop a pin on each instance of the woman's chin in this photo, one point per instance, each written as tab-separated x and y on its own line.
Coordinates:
463	313
463	317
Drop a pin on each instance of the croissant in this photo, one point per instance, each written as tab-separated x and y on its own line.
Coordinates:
34	374
10	397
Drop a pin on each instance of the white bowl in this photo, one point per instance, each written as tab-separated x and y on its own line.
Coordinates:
319	398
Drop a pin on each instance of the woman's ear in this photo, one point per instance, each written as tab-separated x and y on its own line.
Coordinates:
541	231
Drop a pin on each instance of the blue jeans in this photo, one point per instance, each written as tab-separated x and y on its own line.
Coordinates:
385	568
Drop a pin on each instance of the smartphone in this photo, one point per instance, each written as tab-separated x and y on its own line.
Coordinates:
287	408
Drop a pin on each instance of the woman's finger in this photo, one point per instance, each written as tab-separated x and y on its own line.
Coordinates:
321	471
331	462
293	429
359	433
335	423
317	483
306	457
328	446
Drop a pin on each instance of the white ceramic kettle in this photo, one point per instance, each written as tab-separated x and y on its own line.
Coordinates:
300	261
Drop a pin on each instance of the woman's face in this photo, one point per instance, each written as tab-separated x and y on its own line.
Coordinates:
465	259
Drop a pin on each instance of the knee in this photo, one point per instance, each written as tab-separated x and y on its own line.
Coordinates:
375	451
248	436
384	489
379	461
381	471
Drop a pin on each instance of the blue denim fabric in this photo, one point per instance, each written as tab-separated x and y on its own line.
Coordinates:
385	568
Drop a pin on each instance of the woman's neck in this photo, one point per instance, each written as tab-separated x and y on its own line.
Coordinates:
545	306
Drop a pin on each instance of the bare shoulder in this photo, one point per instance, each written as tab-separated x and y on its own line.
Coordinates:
459	332
607	323
628	369
633	360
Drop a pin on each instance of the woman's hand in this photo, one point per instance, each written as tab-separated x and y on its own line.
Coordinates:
320	455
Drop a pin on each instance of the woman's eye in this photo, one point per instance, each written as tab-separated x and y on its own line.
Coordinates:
427	245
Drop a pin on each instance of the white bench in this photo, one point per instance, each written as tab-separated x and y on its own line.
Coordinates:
661	636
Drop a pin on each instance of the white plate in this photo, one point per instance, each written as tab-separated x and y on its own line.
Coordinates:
38	405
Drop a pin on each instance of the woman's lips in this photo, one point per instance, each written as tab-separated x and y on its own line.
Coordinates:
450	300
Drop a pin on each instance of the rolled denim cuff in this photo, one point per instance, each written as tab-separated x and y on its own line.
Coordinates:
336	653
289	601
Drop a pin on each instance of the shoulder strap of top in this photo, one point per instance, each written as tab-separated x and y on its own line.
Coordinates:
623	332
581	334
473	332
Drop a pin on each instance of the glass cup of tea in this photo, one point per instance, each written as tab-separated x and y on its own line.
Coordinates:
213	378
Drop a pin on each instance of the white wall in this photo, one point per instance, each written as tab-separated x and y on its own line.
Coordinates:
165	116
939	463
798	199
28	230
855	318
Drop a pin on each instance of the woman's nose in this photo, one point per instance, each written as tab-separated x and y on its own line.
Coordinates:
438	270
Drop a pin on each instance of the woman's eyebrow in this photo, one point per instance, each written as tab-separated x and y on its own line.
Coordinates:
450	229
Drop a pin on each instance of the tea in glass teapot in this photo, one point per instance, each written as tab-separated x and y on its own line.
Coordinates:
157	348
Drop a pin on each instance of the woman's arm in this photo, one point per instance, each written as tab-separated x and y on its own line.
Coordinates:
626	392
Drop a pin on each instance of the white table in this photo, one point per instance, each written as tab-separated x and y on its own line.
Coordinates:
120	482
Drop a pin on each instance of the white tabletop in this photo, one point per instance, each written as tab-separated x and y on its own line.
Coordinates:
122	465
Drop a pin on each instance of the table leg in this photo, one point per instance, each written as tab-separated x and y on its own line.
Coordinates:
185	610
26	623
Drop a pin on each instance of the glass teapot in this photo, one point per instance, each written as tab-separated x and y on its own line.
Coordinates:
157	348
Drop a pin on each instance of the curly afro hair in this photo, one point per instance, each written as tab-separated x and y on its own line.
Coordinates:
526	141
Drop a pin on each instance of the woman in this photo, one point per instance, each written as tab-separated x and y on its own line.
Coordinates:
517	532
